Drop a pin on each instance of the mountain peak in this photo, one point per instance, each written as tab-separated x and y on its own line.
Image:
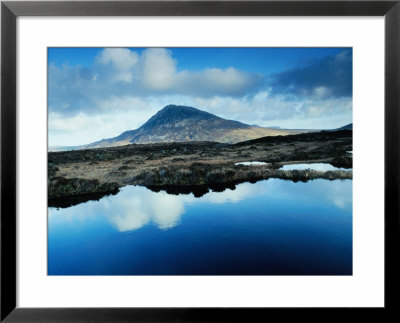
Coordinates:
172	114
173	108
177	123
177	107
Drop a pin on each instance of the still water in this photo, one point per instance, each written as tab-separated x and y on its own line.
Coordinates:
322	167
255	163
272	227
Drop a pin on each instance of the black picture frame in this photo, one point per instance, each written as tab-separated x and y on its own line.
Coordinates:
10	10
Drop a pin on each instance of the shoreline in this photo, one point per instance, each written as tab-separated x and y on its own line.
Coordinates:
194	166
200	189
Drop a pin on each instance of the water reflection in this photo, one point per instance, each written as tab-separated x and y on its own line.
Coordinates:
322	167
251	163
135	206
272	227
131	209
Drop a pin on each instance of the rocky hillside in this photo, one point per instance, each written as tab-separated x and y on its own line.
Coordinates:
181	123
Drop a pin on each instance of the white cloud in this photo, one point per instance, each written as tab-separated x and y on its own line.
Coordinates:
321	92
265	110
87	128
158	72
158	68
123	103
133	211
128	214
229	81
166	209
122	61
227	78
121	58
59	123
241	192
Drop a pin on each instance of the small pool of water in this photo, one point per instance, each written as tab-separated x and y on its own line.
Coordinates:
272	227
251	163
322	167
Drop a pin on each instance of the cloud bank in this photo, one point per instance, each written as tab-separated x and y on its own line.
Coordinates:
330	77
123	72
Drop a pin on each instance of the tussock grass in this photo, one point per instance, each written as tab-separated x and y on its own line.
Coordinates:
200	164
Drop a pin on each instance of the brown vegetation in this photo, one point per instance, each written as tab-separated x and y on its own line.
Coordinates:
195	164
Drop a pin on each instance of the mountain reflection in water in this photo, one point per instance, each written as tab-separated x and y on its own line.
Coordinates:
270	219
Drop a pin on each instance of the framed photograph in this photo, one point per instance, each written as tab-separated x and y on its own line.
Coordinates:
199	160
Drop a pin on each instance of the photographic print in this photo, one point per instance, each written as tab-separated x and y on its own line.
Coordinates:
200	161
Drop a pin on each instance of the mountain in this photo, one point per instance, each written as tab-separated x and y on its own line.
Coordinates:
176	123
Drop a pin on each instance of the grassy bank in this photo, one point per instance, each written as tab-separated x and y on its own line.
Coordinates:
195	164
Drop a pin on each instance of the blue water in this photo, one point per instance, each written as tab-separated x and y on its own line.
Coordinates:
272	227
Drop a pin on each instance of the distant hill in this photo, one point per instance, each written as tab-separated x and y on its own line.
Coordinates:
176	123
346	127
62	148
305	136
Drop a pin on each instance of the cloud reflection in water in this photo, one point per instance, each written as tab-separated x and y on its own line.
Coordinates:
134	206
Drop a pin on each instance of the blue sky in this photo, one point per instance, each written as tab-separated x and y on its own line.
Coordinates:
97	93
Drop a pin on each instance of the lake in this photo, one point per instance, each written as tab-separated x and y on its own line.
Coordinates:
272	227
